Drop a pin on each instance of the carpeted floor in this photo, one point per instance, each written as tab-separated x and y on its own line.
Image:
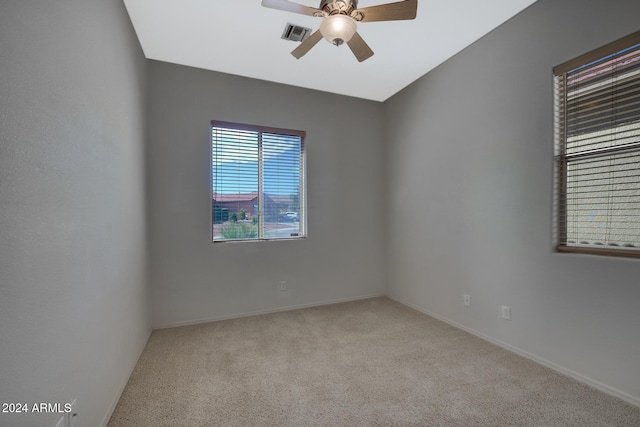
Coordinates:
365	363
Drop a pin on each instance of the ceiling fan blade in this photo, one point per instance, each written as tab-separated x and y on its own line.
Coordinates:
359	48
397	11
307	44
288	6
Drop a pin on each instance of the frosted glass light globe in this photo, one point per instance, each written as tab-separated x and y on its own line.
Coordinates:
338	29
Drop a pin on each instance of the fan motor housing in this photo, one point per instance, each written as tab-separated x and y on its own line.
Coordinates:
334	7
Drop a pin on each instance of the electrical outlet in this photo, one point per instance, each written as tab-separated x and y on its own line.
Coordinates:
505	312
283	285
466	300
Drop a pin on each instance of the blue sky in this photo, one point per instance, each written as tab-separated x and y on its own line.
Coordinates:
235	164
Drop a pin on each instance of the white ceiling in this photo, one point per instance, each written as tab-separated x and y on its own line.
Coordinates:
241	37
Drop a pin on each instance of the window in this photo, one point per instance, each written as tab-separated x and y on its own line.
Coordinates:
258	183
597	120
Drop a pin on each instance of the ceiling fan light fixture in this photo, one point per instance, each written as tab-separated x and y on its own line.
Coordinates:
338	29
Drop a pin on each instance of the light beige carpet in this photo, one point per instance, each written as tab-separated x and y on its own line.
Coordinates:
363	363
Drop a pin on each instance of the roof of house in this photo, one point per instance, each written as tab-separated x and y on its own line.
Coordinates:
241	197
247	197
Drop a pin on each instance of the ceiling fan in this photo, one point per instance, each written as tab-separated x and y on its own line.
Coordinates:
339	21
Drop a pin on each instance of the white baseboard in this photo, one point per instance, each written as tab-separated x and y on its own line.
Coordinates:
633	400
259	312
116	399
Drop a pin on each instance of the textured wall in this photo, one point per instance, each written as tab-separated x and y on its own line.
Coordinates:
193	279
74	304
470	149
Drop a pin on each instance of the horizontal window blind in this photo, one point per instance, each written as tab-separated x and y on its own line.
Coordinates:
597	114
257	176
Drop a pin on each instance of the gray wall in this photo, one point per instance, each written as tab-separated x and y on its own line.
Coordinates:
74	304
343	257
470	149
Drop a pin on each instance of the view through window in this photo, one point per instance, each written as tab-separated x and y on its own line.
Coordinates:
257	182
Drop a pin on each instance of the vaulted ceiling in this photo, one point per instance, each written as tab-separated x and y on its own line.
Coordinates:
241	37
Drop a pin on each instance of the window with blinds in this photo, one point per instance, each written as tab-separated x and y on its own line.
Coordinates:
258	183
597	120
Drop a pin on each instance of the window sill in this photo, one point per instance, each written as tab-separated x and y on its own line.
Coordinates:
604	251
